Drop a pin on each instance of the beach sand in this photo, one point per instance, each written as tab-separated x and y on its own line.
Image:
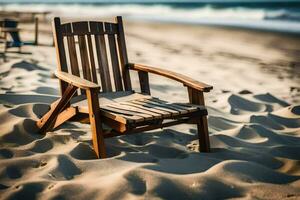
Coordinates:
254	122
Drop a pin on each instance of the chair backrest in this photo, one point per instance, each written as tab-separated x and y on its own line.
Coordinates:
95	51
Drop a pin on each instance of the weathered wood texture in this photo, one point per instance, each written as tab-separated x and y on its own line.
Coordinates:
144	82
197	97
76	81
91	47
129	108
187	81
96	126
48	120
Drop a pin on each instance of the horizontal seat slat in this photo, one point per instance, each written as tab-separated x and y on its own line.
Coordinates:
129	107
182	106
127	111
155	112
120	116
182	109
199	107
157	107
139	110
165	105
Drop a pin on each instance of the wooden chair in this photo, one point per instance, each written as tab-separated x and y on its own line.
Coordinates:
88	52
9	27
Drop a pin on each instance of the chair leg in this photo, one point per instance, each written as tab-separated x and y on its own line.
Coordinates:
96	126
197	97
204	145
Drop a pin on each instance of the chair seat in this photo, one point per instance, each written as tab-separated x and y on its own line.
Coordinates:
130	107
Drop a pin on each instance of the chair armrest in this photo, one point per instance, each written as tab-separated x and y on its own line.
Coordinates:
75	80
172	75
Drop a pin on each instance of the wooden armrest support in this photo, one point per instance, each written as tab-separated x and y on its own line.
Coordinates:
172	75
76	81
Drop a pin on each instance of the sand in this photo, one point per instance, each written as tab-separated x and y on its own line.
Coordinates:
254	122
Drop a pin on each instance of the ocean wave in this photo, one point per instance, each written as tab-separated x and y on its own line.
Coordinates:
283	14
207	14
154	10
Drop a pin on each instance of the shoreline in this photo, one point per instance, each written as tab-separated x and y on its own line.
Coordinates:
231	27
265	16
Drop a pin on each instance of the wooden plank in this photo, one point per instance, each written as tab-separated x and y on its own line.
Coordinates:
72	51
76	81
118	113
152	110
203	135
177	106
174	106
123	53
95	120
147	128
84	57
110	97
185	80
114	59
46	123
156	106
188	105
120	127
169	106
81	28
97	27
91	53
136	109
111	29
144	82
196	97
114	116
60	51
126	111
65	115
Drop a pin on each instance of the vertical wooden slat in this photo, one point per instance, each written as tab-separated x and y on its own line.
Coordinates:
84	57
114	58
60	51
82	29
72	51
101	56
123	53
92	60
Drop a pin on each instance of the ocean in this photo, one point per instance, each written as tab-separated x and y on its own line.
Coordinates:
270	15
